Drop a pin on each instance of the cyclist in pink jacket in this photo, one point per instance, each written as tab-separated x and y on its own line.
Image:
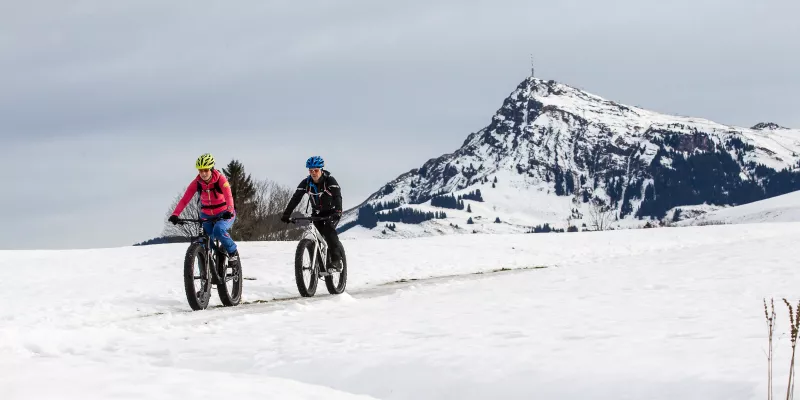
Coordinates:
215	200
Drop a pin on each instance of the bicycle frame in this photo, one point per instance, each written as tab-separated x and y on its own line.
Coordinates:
211	246
320	245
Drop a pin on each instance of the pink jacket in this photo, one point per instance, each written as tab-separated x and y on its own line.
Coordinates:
212	202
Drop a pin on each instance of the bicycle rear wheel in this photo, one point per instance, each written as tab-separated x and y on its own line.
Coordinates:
337	281
230	289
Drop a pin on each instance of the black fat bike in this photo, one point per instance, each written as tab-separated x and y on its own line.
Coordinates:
206	266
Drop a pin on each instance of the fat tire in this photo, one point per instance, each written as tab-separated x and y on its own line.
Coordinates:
229	299
305	245
338	289
196	302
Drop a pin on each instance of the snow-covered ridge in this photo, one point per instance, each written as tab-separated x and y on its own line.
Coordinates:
784	208
551	151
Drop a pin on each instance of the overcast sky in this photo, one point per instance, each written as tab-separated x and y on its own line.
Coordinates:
105	105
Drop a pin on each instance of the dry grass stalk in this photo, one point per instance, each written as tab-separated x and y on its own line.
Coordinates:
794	320
770	315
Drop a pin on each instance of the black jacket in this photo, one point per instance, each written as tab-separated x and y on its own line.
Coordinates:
325	196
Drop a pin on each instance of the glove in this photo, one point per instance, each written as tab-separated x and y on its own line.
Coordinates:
285	218
226	215
173	219
337	215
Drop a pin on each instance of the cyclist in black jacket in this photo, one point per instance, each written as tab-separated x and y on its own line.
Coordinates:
326	200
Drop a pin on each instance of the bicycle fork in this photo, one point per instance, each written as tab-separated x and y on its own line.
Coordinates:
211	265
215	273
318	250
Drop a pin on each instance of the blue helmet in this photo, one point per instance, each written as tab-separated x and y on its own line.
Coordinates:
315	162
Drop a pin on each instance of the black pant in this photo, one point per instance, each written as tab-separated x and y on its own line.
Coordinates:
328	231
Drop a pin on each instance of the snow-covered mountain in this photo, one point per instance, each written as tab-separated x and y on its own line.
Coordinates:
557	156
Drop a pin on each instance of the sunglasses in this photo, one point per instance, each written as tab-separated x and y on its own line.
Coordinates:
314	170
204	170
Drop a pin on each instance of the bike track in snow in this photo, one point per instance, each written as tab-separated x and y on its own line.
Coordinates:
371	291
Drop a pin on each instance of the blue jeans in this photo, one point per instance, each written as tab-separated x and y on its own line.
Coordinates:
219	230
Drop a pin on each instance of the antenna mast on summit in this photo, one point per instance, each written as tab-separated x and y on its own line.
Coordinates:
531	65
528	99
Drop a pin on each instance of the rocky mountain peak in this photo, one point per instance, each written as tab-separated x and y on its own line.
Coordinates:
560	152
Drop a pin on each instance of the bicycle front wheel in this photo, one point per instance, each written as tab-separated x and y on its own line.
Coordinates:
196	281
305	274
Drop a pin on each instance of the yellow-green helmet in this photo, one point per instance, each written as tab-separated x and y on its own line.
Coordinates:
205	161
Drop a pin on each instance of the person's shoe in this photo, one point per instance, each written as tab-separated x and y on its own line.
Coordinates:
233	259
336	266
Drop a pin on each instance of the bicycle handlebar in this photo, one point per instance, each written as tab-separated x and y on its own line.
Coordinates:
199	220
311	218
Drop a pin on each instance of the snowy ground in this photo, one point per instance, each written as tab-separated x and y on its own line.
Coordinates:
667	313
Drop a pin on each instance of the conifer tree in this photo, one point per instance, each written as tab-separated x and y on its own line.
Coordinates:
243	190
